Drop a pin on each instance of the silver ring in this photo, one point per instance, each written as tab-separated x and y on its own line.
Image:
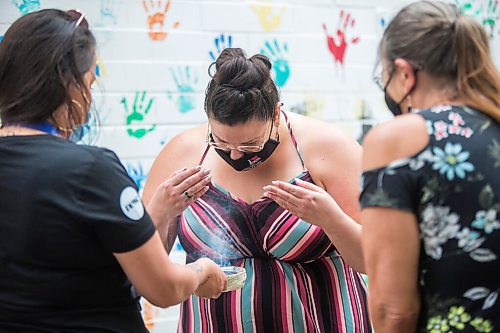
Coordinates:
187	195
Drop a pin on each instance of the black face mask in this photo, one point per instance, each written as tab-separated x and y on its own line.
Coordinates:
394	106
249	160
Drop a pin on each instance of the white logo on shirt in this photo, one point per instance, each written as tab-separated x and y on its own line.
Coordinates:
131	203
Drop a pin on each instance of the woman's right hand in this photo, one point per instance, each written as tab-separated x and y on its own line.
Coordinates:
216	282
177	192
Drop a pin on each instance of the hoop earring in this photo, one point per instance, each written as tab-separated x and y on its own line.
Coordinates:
71	120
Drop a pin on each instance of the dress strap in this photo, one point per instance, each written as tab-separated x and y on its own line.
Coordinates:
204	155
295	144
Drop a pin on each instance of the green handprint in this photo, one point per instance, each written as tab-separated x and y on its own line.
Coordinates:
277	55
487	13
139	111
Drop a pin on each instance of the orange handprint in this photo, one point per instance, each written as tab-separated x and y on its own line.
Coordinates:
156	18
338	44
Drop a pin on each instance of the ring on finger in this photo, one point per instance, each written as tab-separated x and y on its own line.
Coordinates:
187	195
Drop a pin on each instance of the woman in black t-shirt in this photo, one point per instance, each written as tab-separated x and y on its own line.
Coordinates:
74	233
431	185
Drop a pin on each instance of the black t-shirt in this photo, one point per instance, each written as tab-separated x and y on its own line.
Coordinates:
64	210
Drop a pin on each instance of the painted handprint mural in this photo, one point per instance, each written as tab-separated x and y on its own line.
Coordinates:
487	12
157	12
185	83
27	6
136	117
270	15
110	10
337	44
137	173
221	42
277	53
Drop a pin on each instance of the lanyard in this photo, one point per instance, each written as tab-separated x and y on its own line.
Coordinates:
44	126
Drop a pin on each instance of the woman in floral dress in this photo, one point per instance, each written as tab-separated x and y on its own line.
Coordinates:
431	181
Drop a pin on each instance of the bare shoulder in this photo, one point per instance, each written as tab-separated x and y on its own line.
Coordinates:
313	132
185	148
329	152
398	138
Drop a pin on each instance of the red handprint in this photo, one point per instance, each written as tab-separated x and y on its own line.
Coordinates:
156	18
338	44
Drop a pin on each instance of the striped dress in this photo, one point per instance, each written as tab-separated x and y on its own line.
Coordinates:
296	279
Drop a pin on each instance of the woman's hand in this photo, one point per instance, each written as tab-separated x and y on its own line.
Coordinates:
177	192
216	282
307	201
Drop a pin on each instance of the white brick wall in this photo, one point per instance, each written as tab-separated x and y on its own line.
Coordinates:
173	71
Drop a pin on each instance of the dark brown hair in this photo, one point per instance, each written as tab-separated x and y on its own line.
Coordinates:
41	55
437	39
241	89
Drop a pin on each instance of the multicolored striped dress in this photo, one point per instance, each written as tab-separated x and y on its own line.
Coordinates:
296	279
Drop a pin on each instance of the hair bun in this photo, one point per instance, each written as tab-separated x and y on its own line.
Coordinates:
234	70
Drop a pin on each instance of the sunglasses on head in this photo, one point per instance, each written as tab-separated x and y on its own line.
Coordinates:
79	18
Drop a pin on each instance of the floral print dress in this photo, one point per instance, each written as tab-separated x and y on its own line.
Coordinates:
453	188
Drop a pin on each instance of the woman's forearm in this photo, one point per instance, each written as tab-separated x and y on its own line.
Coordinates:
345	234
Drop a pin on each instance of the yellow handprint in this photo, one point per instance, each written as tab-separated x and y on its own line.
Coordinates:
268	18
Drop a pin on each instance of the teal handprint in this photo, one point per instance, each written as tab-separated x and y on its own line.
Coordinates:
139	110
27	6
221	42
486	11
277	55
185	86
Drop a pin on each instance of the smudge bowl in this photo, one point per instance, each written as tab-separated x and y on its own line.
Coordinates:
236	277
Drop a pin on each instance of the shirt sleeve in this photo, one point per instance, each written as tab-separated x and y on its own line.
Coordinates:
111	205
391	188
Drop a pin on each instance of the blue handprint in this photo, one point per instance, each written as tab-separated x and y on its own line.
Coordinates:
137	174
185	86
220	44
110	8
276	54
27	6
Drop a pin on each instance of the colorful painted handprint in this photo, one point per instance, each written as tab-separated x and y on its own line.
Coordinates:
277	55
136	172
157	12
487	12
338	44
269	14
27	6
221	42
137	115
185	83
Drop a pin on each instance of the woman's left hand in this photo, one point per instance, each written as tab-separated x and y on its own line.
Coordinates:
309	202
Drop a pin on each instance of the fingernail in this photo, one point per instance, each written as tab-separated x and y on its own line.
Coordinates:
206	171
208	178
266	194
297	180
198	168
183	169
274	182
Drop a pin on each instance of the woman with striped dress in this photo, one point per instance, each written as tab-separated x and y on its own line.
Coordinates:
287	217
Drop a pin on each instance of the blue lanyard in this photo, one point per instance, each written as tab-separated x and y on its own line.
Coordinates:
44	126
